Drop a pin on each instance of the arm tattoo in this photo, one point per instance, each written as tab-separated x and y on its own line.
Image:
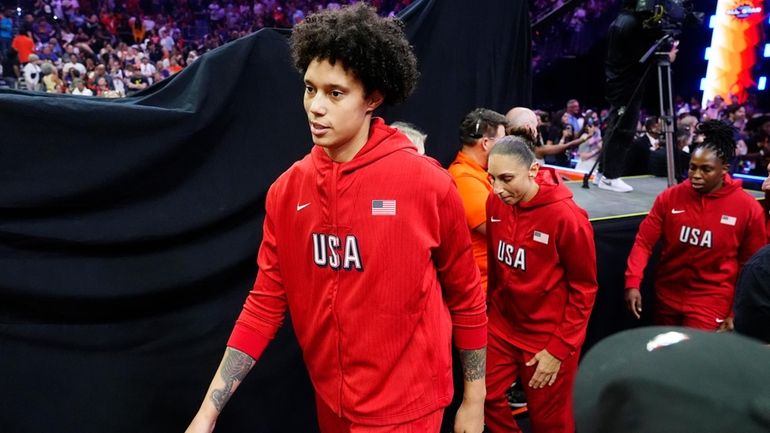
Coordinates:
235	367
474	364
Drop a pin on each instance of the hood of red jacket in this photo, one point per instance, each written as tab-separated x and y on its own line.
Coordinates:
383	140
552	189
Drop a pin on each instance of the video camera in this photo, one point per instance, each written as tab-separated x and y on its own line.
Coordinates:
670	16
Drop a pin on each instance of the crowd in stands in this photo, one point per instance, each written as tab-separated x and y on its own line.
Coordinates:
567	28
114	49
582	130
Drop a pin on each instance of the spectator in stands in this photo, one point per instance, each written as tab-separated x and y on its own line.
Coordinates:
658	163
714	109
32	73
147	69
100	71
136	82
81	89
736	117
588	151
24	46
479	131
11	68
52	83
6	33
637	162
118	77
523	122
173	66
709	227
566	140
73	62
103	88
575	116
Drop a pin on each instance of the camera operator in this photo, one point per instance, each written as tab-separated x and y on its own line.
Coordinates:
628	40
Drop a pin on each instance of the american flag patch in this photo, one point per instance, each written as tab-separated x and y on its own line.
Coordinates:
383	207
728	220
540	237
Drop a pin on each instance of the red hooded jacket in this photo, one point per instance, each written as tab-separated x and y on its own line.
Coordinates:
373	259
706	240
542	269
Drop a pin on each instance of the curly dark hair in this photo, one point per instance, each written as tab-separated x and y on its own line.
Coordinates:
373	48
719	138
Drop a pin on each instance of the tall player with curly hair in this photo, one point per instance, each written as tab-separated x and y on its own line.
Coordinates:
709	227
364	241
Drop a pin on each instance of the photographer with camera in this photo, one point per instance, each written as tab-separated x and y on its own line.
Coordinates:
629	38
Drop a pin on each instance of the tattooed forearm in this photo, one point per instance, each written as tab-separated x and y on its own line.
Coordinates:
474	364
235	366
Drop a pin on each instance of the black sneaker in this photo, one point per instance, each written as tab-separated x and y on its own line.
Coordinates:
516	397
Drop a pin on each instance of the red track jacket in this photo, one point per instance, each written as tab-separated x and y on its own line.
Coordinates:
706	240
360	252
542	269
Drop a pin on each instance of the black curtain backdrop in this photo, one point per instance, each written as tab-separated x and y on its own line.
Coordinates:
129	228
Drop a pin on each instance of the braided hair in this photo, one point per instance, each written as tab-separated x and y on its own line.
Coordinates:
718	138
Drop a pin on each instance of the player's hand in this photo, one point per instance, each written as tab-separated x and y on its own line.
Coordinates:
727	325
546	371
634	302
470	417
766	183
201	424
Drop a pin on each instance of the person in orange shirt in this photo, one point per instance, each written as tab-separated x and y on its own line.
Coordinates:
24	45
478	133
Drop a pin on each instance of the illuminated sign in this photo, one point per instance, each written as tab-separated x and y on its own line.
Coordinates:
744	11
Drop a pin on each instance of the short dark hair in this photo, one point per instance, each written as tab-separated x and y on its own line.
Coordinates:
649	122
373	48
515	146
682	134
479	123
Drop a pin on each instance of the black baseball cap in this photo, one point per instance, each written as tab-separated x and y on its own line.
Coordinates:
670	380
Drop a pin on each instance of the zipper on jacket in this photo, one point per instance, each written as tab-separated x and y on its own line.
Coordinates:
335	287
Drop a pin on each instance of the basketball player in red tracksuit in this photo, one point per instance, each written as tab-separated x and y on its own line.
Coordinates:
709	227
365	243
542	286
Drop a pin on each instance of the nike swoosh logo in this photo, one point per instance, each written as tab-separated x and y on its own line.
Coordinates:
676	211
494	220
302	206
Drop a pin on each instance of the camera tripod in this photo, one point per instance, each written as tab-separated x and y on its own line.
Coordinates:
665	99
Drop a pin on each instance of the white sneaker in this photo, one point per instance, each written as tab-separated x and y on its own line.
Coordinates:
616	185
597	177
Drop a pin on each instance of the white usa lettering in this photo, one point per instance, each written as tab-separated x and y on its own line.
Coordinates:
695	237
326	252
509	255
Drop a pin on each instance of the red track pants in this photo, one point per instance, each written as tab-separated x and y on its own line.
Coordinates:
549	408
329	422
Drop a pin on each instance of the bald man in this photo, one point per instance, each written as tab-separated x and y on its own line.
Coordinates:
523	122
